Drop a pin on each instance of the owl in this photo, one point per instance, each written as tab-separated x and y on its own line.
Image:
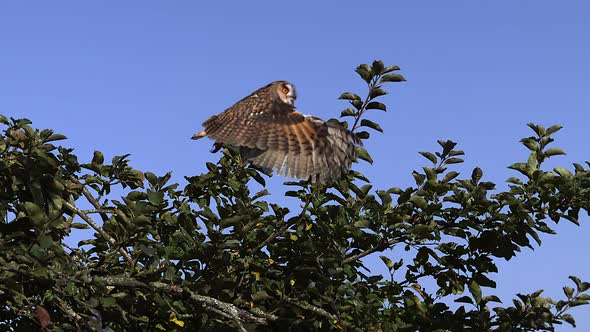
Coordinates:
274	135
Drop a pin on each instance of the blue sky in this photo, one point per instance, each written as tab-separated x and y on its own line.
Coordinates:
140	77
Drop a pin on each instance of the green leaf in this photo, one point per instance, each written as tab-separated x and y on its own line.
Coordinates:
569	319
365	72
376	92
577	281
447	145
378	67
450	176
34	212
538	129
465	299
514	180
578	302
491	298
375	105
257	177
569	292
55	137
429	156
348	112
232	221
155	197
522	168
562	172
259	194
108	302
475	290
79	226
385	197
418	201
419	178
363	223
553	129
3	119
45	241
371	124
390	69
392	78
362	134
476	175
97	158
119	159
260	295
362	154
553	152
349	96
387	262
453	160
430	173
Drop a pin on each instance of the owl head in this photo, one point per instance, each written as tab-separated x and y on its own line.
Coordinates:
285	91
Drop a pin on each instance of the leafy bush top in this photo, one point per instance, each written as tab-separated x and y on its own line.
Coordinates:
214	255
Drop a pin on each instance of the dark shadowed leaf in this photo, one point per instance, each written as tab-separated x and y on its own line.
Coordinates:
365	72
371	124
375	105
376	92
55	137
476	175
429	156
378	67
348	112
475	291
392	78
349	96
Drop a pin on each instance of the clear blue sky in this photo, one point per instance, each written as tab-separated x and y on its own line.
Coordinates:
139	77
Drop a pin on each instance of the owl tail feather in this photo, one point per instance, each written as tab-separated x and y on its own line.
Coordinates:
199	135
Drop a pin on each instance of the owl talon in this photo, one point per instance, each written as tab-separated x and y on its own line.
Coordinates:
216	147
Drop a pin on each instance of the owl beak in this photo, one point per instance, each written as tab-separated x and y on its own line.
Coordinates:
199	135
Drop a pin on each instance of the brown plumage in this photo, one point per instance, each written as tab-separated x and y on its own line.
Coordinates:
278	137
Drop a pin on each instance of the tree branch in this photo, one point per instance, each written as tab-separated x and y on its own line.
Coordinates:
99	229
101	209
281	230
378	248
227	310
94	202
316	310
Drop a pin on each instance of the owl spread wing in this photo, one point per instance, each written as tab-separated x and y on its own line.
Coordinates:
285	140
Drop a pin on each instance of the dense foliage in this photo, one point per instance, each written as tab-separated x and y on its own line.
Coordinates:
215	255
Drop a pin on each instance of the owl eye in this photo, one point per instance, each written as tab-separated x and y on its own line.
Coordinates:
285	90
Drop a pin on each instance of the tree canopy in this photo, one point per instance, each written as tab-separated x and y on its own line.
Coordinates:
213	254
